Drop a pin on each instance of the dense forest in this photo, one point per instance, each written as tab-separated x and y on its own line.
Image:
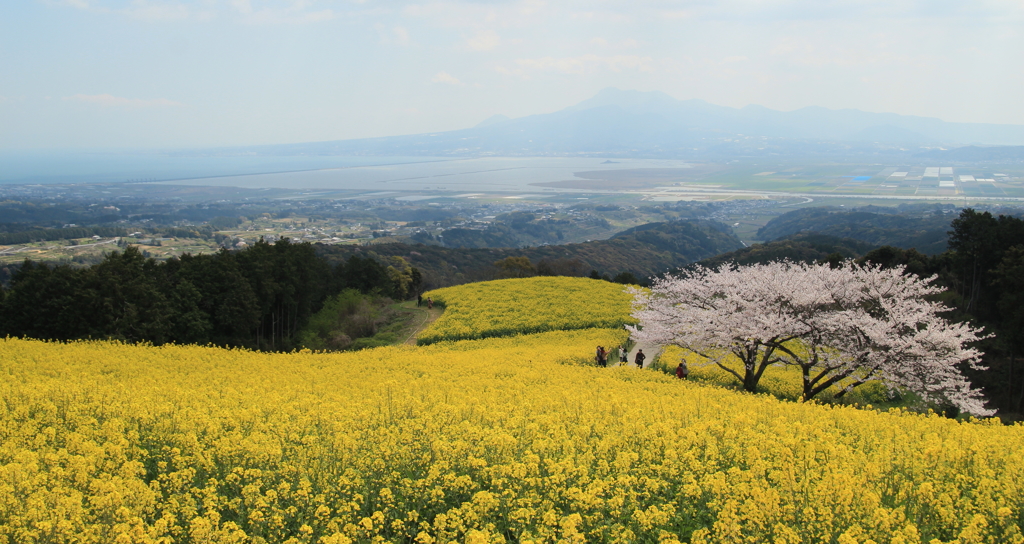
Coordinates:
257	298
984	274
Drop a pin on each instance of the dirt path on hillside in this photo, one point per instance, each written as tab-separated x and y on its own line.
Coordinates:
651	351
422	318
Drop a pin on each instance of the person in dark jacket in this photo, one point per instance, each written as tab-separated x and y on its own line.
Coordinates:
640	358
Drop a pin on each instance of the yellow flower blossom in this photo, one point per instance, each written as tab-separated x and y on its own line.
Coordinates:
516	438
528	305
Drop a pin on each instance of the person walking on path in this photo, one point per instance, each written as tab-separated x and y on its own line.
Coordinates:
623	355
682	371
640	358
430	303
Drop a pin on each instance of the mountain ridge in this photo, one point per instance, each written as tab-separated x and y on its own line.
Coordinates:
652	123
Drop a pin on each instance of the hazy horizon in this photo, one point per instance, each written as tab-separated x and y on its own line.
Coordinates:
198	73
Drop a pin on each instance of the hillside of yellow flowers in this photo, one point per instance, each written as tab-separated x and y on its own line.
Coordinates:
528	305
515	439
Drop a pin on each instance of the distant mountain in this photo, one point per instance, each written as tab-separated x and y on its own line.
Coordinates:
888	134
973	154
494	119
654	124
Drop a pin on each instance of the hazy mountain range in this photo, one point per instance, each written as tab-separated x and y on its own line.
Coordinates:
654	124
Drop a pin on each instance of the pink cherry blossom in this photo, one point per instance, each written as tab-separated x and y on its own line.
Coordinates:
852	323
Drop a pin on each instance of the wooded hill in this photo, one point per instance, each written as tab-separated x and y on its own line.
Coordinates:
805	247
642	251
925	230
520	229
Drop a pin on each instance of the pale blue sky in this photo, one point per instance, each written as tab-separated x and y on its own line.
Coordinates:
189	73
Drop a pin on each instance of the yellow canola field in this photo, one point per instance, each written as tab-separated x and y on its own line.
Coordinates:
497	440
522	306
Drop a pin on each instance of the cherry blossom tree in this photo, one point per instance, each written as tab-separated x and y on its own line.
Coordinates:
842	326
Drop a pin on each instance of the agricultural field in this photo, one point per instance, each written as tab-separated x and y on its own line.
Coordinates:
503	439
527	305
87	250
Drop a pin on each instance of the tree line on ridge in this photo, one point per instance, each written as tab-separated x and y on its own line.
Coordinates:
258	298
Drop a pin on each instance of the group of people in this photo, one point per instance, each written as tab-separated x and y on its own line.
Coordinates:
623	353
682	371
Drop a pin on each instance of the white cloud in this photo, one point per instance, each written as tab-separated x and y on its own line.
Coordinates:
80	4
297	13
445	77
676	14
484	41
821	52
474	14
512	72
397	35
83	5
460	14
243	6
583	64
107	101
265	12
628	43
603	16
145	10
401	35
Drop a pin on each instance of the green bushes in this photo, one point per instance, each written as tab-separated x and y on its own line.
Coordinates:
348	320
